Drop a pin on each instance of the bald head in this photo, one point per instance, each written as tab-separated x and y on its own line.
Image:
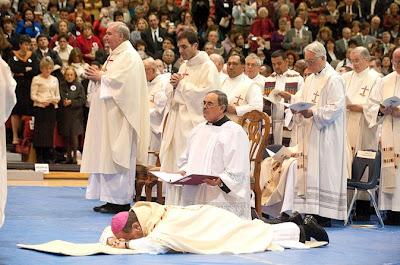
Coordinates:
396	60
218	61
151	69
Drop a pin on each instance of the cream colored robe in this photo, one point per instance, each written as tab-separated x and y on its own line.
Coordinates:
185	113
323	143
118	125
389	195
7	102
260	80
291	79
244	93
221	151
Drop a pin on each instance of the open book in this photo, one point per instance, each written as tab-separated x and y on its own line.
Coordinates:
274	97
178	179
300	106
393	102
282	154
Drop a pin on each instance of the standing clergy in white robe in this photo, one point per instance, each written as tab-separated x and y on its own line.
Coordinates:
117	134
158	87
252	70
389	117
218	60
321	182
218	147
195	78
7	102
289	82
244	95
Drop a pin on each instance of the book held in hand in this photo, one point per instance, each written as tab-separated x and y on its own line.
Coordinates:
393	102
282	154
274	97
178	179
300	106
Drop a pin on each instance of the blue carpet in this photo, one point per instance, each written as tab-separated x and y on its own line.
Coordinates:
36	215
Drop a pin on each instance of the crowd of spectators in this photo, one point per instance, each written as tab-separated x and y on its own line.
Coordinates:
71	33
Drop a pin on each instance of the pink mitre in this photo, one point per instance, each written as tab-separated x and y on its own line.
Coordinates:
118	222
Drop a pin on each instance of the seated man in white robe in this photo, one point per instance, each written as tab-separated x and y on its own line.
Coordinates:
203	229
218	147
244	94
158	86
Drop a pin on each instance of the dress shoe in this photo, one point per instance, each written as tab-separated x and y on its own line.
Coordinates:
314	230
296	218
115	208
323	221
97	208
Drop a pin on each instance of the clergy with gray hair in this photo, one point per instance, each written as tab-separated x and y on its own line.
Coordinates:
321	183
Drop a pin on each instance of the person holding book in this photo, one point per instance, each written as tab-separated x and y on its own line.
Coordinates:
288	82
321	183
389	117
359	83
218	147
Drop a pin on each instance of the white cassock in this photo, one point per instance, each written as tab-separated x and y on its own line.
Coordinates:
7	103
290	81
222	77
157	102
117	133
221	151
244	93
185	112
389	191
260	79
204	229
321	182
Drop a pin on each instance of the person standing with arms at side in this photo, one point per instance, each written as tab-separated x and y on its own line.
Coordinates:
7	102
195	79
117	133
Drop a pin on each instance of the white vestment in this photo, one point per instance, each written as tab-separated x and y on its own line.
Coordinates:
117	133
7	102
290	81
221	151
260	79
222	77
321	183
389	191
186	112
157	102
244	93
204	229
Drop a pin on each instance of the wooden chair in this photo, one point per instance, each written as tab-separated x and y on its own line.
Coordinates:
257	125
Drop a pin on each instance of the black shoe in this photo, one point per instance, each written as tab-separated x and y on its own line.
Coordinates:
97	208
115	208
296	218
323	221
314	230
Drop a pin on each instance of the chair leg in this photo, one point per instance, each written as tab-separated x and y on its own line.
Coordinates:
350	208
159	193
149	188
139	183
376	208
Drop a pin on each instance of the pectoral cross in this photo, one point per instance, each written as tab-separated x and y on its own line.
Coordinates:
237	102
315	99
363	93
152	100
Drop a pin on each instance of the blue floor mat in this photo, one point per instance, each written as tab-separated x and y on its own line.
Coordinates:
36	215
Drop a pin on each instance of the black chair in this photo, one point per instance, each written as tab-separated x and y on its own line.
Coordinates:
359	166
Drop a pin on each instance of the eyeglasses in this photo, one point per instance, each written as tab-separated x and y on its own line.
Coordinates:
355	61
395	62
208	105
310	61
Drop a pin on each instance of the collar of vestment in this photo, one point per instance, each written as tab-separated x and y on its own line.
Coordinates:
235	79
362	73
199	58
322	70
122	47
220	121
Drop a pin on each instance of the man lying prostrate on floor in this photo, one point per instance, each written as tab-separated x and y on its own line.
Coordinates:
204	229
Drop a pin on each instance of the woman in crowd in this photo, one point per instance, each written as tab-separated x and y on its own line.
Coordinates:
395	30
79	24
63	28
292	58
330	50
51	17
323	35
45	95
240	45
63	49
278	36
213	38
392	17
76	61
141	46
28	26
141	26
9	32
210	22
262	27
5	47
355	28
163	15
187	22
88	43
80	12
73	99
285	15
386	65
24	67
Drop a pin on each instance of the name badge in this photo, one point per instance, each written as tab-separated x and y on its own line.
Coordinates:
73	87
226	5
